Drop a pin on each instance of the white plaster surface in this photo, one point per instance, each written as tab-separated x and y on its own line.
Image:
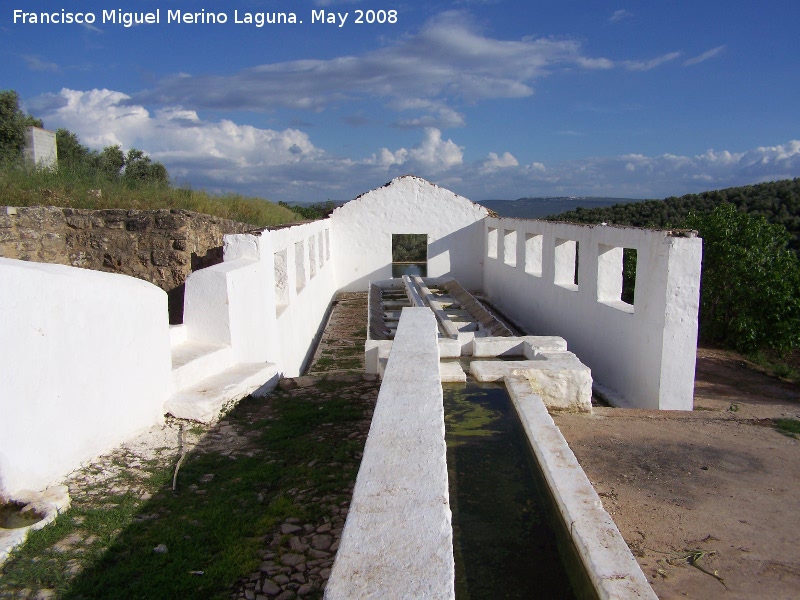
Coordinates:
240	303
362	232
86	361
558	378
451	372
642	356
610	566
397	541
193	361
517	346
205	399
291	330
40	148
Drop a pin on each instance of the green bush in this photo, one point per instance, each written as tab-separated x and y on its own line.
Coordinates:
750	286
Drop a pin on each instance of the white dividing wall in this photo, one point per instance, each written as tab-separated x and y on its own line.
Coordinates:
641	355
363	229
298	321
86	365
398	539
265	300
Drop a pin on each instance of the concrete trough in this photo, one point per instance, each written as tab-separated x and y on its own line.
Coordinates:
610	567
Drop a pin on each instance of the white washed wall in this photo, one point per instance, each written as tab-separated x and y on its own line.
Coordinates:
363	231
86	364
304	286
641	355
268	298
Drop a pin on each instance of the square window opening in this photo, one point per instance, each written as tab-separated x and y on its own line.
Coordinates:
566	263
616	276
510	247
300	265
409	254
491	242
533	254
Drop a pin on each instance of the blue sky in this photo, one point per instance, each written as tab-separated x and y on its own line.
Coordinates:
490	98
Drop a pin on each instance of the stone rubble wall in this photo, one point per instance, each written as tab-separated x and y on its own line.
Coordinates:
160	246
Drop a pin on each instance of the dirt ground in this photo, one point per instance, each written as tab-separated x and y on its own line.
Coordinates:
709	501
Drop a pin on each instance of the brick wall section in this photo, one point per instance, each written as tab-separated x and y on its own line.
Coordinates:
159	246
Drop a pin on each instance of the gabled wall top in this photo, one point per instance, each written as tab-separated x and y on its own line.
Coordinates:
363	230
409	183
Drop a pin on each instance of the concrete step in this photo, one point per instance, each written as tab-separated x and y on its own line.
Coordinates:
204	400
193	361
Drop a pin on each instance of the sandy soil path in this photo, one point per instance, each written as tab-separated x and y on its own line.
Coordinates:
709	501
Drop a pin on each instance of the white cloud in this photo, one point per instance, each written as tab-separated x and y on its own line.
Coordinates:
432	154
221	154
494	162
704	56
287	165
35	63
448	61
619	15
647	65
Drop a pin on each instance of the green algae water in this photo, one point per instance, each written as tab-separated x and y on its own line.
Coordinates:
504	544
11	516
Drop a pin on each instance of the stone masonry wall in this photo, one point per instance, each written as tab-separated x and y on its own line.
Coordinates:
159	246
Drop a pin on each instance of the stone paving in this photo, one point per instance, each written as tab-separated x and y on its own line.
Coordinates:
299	557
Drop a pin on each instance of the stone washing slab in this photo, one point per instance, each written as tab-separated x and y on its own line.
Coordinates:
526	346
562	381
451	372
193	361
203	401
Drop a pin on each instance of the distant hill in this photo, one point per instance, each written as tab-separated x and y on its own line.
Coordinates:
537	208
776	201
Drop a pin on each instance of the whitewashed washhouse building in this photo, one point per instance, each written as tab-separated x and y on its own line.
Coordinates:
90	357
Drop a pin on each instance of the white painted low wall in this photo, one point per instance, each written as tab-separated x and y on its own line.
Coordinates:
398	541
86	365
640	355
363	231
269	297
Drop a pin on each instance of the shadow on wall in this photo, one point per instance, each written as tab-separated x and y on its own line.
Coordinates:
175	296
462	253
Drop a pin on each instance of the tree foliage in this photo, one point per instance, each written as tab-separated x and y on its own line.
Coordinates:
110	164
777	201
13	122
313	212
409	247
750	287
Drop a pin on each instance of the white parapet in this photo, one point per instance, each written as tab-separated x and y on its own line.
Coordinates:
397	541
86	365
567	280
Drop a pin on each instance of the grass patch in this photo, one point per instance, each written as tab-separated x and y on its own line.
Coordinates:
225	505
22	187
790	427
784	365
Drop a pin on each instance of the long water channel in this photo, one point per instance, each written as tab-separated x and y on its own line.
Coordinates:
504	542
